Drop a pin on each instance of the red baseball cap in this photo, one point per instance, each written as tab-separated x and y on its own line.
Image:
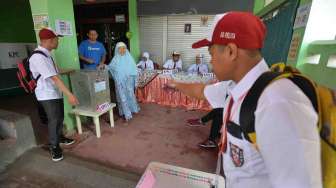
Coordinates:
48	33
244	29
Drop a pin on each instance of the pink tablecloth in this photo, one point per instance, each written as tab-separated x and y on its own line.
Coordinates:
154	93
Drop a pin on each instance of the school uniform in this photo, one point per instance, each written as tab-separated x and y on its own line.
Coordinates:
288	153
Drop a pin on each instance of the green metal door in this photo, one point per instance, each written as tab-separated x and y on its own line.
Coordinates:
279	25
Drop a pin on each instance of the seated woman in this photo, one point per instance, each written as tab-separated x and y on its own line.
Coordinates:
123	70
146	63
199	67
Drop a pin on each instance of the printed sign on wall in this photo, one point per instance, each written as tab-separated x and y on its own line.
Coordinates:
120	18
11	53
63	27
40	21
294	46
302	15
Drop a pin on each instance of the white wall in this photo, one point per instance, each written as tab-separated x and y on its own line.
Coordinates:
160	35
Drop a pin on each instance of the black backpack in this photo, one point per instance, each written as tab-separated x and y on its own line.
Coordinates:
25	76
323	100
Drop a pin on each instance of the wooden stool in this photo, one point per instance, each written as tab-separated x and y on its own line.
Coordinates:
95	115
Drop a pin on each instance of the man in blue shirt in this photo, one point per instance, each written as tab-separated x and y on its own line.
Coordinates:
91	52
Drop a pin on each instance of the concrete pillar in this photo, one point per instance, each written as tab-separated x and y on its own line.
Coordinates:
134	29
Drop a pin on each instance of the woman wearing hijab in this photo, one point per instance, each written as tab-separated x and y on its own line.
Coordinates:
146	63
124	72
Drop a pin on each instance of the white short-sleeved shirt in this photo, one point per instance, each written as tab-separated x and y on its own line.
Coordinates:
146	65
41	65
287	137
169	64
218	93
198	68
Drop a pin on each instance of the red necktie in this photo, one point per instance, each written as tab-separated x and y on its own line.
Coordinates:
223	140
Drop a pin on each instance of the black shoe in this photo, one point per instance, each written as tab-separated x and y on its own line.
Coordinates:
195	122
208	144
66	141
56	153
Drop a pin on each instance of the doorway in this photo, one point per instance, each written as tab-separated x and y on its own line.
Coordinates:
110	20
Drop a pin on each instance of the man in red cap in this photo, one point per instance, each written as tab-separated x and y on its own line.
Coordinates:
287	150
49	90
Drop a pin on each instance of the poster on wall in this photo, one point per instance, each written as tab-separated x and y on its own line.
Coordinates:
294	46
63	27
120	18
12	53
187	28
40	21
204	21
302	15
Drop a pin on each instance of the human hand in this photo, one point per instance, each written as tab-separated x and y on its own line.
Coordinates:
101	67
72	99
90	61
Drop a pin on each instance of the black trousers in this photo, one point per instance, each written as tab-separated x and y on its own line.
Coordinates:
55	112
216	115
41	113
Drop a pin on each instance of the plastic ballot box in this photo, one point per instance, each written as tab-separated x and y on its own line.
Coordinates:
91	87
159	175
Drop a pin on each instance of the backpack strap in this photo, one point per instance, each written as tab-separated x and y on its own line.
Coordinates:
38	52
249	105
309	88
42	53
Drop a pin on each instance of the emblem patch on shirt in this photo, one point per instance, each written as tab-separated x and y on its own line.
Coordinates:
237	155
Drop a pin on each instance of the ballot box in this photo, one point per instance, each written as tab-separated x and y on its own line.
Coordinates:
159	175
91	87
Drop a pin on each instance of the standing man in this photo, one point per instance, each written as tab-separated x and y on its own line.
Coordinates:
174	63
287	151
49	91
91	52
199	67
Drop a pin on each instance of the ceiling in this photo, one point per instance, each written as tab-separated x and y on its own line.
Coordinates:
76	2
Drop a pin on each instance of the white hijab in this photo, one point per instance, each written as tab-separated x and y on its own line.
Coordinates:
146	55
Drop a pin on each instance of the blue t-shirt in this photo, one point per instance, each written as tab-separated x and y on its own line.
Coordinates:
94	51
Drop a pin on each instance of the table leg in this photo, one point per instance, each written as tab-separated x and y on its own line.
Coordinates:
79	124
111	117
96	122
